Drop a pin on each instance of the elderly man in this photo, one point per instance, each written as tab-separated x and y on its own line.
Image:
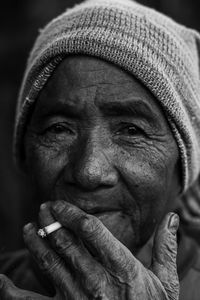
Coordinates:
107	128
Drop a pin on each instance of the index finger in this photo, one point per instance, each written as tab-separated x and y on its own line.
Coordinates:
97	238
49	262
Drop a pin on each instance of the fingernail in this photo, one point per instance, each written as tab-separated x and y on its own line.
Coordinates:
28	227
173	223
58	206
43	206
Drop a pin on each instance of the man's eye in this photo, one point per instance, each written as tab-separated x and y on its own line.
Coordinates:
129	130
58	129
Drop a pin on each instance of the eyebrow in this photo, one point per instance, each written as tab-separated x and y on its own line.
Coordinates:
61	109
129	108
136	108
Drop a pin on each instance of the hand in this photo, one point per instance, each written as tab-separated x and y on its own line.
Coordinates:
85	261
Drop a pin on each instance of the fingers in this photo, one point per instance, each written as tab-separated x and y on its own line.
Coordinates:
48	261
8	291
164	254
73	252
45	218
97	238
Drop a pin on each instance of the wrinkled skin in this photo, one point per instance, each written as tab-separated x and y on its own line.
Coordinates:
99	141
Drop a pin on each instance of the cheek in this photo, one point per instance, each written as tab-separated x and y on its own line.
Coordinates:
147	176
45	165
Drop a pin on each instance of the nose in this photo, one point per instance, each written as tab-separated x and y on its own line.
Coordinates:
93	167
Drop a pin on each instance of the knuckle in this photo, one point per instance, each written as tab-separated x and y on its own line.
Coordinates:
96	287
63	242
68	212
170	248
48	260
89	224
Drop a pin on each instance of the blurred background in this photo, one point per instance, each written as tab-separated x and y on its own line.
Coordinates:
20	23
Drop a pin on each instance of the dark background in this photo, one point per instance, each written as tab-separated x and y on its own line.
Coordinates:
20	23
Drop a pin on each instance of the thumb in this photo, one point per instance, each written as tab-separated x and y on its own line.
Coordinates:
164	255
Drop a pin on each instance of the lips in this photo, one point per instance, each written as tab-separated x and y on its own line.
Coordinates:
107	214
90	207
90	203
97	203
98	210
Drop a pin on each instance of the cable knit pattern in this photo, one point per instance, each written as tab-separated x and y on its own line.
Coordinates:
158	51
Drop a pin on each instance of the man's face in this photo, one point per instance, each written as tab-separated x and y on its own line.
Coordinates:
98	139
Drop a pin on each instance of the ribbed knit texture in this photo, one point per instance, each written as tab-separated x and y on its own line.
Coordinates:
159	52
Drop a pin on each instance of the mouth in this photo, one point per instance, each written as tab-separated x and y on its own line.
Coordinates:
97	211
106	213
94	206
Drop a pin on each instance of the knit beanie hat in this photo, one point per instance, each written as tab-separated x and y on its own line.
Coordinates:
162	54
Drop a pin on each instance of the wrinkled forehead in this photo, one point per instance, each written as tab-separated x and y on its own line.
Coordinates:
80	79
